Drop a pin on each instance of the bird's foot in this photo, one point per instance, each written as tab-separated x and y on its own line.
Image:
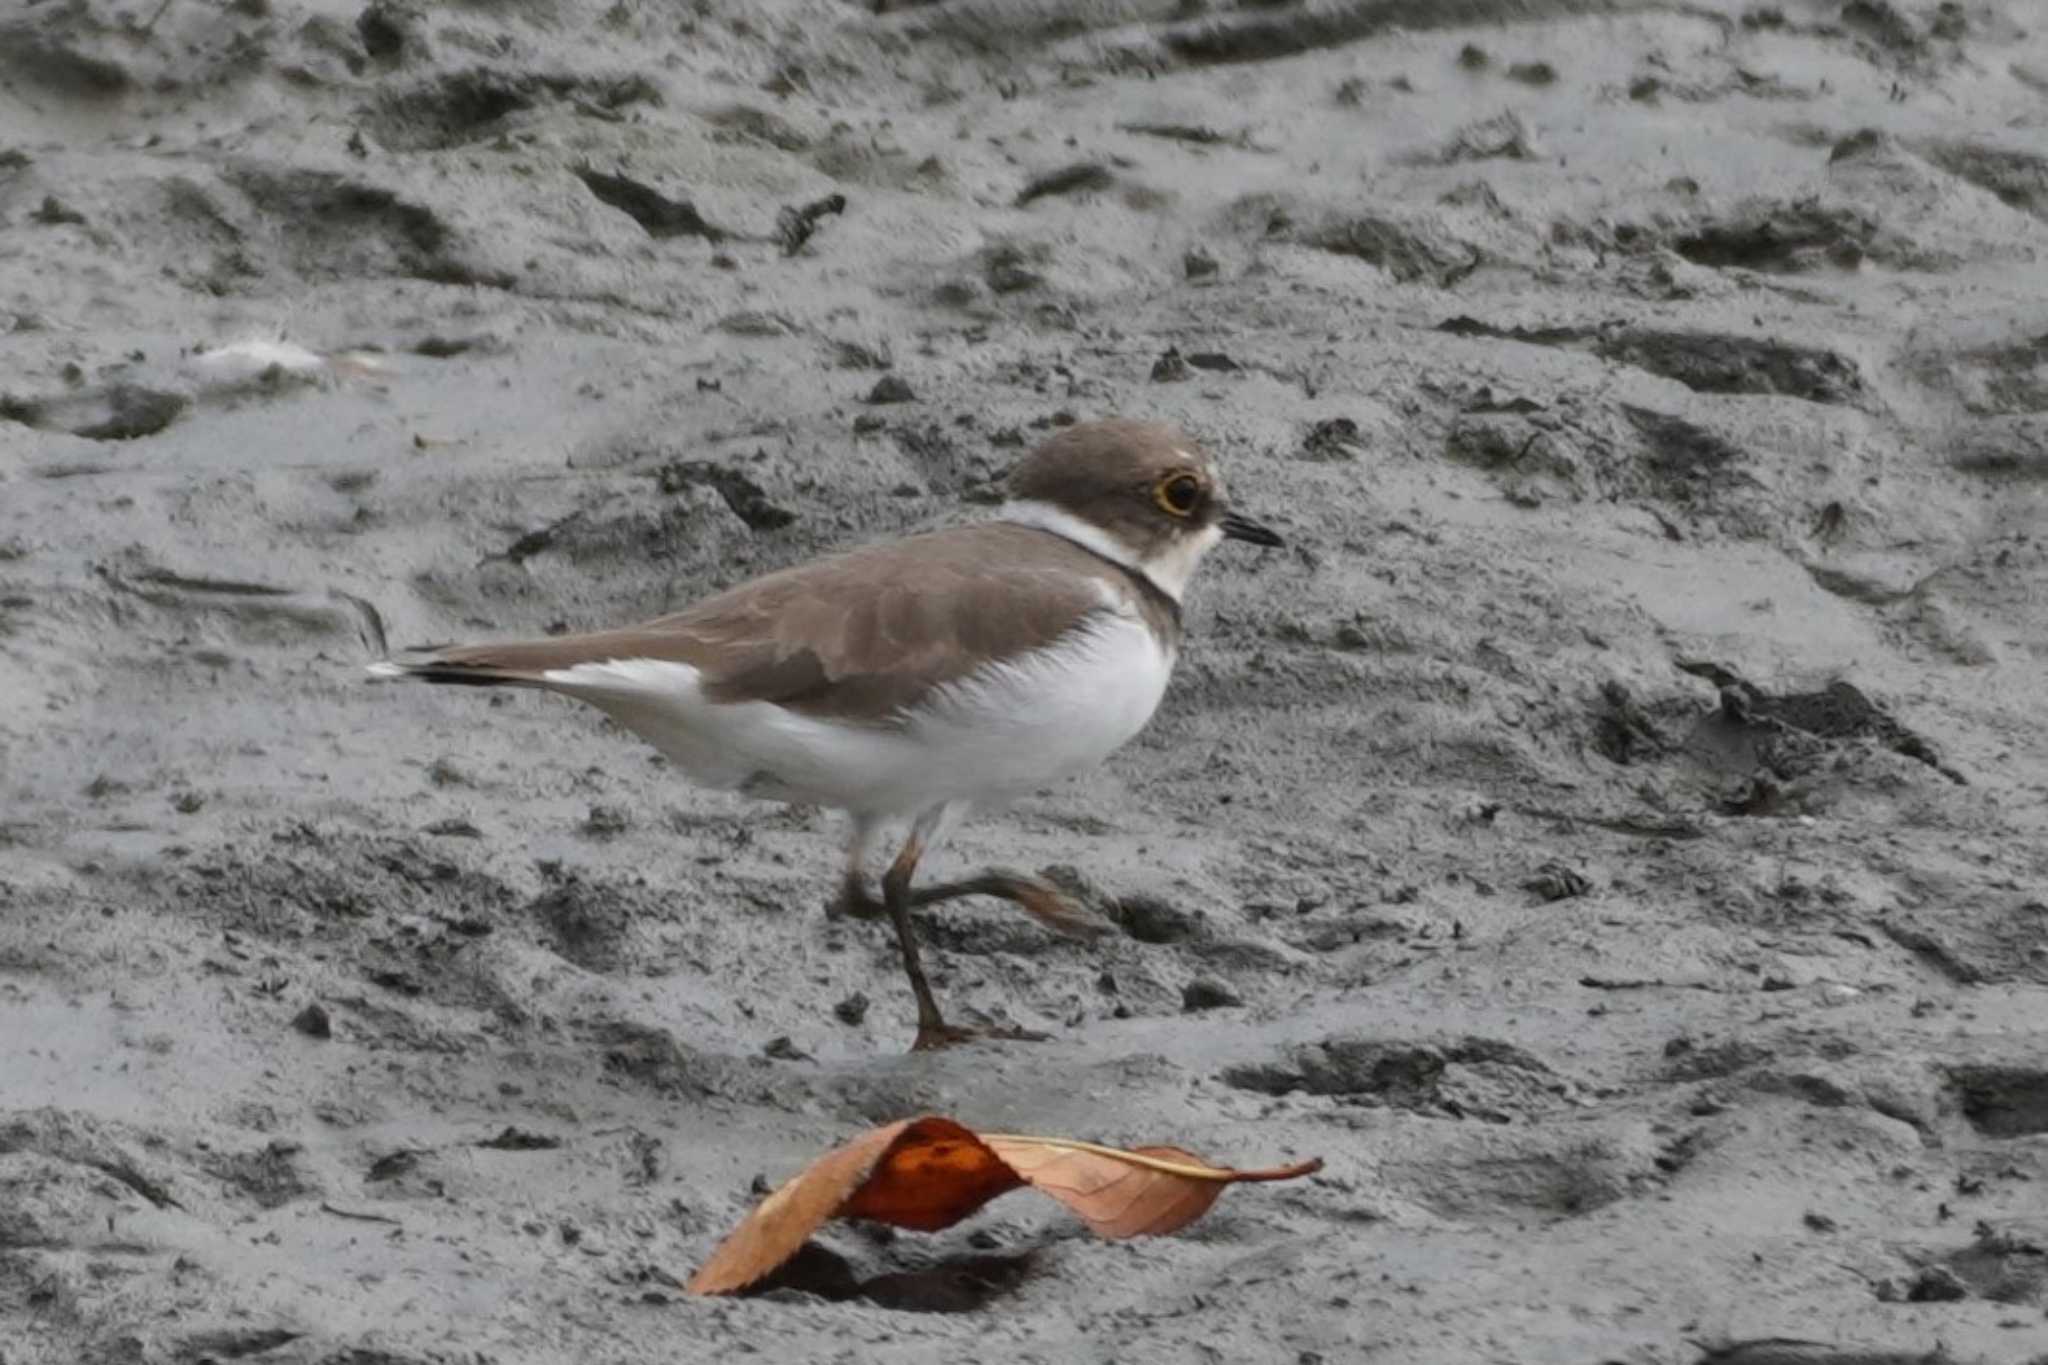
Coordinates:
1035	896
934	1036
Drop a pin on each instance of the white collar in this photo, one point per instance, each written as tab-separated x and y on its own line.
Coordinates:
1169	572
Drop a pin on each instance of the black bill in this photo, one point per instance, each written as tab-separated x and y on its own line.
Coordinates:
1238	527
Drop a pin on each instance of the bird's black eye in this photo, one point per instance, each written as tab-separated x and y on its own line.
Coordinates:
1179	494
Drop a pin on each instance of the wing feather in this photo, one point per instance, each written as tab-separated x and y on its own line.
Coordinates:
857	636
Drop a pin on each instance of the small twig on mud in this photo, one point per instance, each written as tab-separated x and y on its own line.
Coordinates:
794	226
360	1217
595	110
1083	175
1641	827
1641	983
369	622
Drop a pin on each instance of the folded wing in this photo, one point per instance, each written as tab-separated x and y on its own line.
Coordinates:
856	637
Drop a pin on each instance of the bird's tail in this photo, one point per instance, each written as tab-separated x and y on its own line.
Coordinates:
441	668
563	663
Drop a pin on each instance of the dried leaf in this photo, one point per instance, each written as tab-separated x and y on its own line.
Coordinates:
936	1175
925	1173
1139	1193
929	1173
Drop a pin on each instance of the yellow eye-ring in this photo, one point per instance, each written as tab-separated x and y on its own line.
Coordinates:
1179	494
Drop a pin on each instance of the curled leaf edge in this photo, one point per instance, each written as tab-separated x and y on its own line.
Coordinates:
1221	1175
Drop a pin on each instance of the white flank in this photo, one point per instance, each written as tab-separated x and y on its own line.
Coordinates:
995	734
384	669
1050	713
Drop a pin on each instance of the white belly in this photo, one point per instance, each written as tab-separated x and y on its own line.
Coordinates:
996	734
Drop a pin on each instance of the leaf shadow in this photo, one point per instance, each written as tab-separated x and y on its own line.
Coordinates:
961	1283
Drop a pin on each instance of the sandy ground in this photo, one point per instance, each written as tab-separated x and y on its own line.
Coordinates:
1611	835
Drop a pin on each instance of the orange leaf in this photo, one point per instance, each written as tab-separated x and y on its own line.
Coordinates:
925	1173
929	1173
931	1179
1139	1193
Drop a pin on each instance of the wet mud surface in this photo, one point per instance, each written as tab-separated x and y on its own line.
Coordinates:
1611	835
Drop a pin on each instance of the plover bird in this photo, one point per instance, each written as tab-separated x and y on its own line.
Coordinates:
909	680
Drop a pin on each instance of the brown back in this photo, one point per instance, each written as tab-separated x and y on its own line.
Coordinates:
857	636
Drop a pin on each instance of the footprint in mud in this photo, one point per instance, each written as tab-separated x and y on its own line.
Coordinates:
118	412
2003	1101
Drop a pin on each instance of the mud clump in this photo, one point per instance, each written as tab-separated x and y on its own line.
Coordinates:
1624	731
1682	454
1408	247
119	412
1706	362
62	51
660	215
1785	238
462	107
1080	178
2003	1101
1786	727
1468	1077
748	500
1709	362
1399	1073
653	1057
1270	33
268	1177
448	113
336	226
2018	178
391	32
2004	447
591	926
